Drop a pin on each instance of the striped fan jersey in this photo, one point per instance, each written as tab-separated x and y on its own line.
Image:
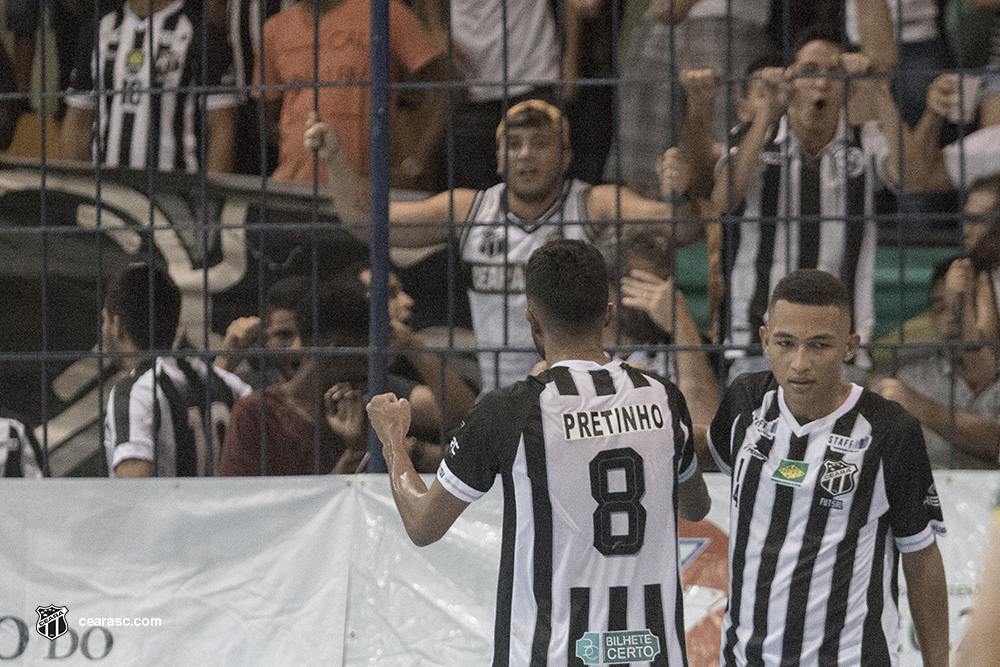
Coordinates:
162	412
495	245
819	513
590	457
146	111
20	455
804	215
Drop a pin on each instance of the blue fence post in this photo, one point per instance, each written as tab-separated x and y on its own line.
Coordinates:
378	313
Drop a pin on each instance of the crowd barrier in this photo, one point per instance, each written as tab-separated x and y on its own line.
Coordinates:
303	571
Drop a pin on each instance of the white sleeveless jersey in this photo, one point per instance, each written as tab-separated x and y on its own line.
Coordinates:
495	243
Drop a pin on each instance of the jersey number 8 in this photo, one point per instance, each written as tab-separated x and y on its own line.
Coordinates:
624	501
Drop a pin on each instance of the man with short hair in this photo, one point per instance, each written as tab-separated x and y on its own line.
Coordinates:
277	330
801	183
148	430
597	462
277	430
830	484
501	226
965	378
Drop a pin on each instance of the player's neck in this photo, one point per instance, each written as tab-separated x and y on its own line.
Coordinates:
576	350
809	411
141	8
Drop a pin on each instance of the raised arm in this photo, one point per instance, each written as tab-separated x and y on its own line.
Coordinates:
667	307
974	435
877	34
695	143
926	170
427	514
767	104
77	134
928	595
412	224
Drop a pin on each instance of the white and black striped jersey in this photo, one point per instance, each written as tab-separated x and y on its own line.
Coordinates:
495	245
163	416
145	96
590	457
801	214
20	455
818	515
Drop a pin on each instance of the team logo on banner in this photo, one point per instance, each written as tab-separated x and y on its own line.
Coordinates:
618	647
837	477
51	621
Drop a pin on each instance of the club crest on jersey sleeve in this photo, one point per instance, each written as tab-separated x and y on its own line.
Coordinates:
601	423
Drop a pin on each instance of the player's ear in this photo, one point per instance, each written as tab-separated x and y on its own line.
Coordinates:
853	343
763	335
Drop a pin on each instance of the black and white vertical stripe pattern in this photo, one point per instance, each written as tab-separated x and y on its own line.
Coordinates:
556	581
20	454
144	119
812	564
799	215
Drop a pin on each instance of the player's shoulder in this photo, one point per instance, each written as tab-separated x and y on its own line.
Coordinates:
753	386
513	397
641	377
886	416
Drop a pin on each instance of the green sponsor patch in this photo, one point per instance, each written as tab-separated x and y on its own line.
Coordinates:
618	647
790	473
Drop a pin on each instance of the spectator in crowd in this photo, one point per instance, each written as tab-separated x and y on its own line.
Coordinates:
148	430
799	162
537	202
20	455
956	393
922	49
654	312
957	165
23	18
11	107
502	68
452	396
290	57
276	330
156	119
670	36
276	430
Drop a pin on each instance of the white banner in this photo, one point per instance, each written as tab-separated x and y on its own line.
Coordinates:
305	571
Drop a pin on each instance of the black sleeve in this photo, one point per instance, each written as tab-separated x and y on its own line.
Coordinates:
482	444
219	58
683	434
720	433
81	78
913	501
